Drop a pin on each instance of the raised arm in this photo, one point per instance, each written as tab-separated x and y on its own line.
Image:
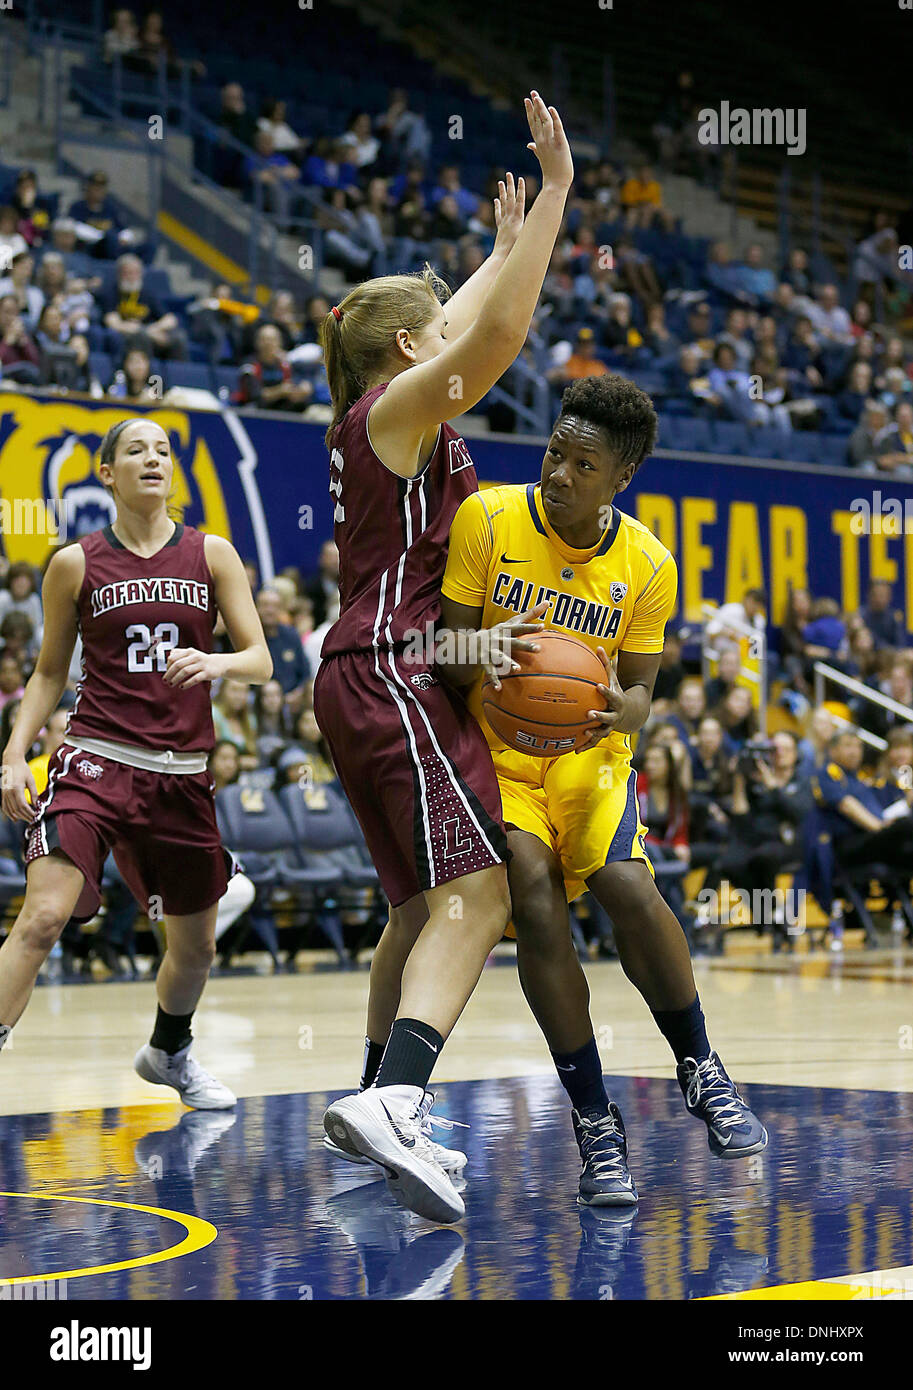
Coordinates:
419	399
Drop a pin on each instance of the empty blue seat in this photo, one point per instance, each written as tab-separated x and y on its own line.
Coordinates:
195	375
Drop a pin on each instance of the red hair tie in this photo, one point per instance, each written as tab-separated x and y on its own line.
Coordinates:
337	313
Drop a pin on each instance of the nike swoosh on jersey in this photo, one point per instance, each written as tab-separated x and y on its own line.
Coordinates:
506	561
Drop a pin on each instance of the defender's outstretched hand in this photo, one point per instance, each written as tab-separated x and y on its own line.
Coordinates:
510	208
549	143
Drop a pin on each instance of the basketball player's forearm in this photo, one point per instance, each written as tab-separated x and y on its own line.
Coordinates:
464	305
39	700
253	664
518	284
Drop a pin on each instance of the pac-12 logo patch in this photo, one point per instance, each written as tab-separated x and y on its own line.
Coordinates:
617	590
423	680
89	769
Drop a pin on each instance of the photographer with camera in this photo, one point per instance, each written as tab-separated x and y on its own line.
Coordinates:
770	799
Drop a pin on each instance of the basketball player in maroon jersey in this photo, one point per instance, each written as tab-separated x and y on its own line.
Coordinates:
130	775
412	761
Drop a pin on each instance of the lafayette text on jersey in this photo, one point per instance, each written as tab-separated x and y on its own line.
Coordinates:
126	604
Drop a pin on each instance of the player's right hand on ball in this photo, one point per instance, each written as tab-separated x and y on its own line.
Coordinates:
498	643
16	777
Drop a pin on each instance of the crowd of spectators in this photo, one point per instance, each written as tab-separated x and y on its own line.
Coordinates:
712	334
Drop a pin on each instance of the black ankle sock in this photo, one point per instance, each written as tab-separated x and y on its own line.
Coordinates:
171	1031
580	1074
369	1067
5	1031
684	1031
410	1054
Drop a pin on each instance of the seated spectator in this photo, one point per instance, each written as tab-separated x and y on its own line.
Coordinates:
275	175
802	355
711	785
671	672
267	381
642	199
899	687
323	588
329	166
72	296
447	221
290	667
220	322
663	806
690	708
770	801
796	272
733	391
619	333
404	133
362	145
123	36
662	344
234	720
318	763
28	297
883	620
69	369
813	746
282	314
895	767
829	319
863	658
99	227
285	140
241	124
450	186
582	362
51	331
757	279
20	595
17	636
853	812
224	763
19	356
132	382
12	678
722	274
133	315
12	242
792	642
728	670
316	308
869	444
850	402
737	715
735	334
825	635
273	716
34	220
897	442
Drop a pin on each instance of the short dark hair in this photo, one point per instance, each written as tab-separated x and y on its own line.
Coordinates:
622	411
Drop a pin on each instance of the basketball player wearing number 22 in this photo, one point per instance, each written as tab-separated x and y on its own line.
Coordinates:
562	550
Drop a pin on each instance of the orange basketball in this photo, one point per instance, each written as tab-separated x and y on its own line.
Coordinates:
542	708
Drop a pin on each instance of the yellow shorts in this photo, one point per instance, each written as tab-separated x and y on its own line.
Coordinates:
582	805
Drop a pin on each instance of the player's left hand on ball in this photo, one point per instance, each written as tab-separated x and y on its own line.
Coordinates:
187	667
614	697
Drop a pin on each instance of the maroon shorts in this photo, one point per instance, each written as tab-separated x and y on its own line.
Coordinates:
415	767
160	827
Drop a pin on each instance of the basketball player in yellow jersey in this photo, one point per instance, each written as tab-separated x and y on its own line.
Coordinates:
562	550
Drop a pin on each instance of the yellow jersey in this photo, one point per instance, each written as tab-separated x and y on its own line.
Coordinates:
506	558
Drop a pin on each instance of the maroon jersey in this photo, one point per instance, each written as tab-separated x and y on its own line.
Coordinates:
391	532
126	602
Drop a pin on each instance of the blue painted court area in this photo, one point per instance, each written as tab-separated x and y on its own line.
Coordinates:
250	1206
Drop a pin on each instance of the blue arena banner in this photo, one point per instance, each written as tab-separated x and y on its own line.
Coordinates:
261	480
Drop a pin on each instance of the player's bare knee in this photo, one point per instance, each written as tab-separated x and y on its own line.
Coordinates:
196	956
628	891
39	925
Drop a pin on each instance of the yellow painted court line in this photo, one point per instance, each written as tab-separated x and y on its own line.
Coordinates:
877	1283
222	266
200	1233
